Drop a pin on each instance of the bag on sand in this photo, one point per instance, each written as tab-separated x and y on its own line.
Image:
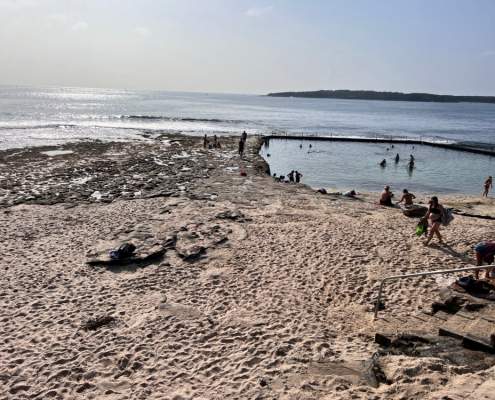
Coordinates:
422	227
125	250
447	216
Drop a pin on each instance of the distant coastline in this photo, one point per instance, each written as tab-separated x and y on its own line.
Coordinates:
387	96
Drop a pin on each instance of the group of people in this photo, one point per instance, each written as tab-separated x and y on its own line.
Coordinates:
293	177
437	215
215	145
433	216
410	164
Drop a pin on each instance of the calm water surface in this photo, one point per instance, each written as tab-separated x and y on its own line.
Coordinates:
32	116
346	165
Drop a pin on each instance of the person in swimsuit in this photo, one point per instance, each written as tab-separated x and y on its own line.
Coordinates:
298	176
434	216
397	158
386	197
488	186
407	198
383	163
485	252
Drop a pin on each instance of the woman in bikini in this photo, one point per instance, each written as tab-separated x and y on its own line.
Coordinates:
434	215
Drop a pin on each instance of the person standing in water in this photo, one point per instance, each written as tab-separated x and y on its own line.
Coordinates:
488	185
397	158
298	176
383	163
434	216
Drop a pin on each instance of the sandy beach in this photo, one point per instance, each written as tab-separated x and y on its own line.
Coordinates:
266	292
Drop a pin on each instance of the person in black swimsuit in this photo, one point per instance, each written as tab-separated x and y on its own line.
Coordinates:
434	215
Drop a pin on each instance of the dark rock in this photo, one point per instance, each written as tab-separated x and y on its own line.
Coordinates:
233	215
192	253
98	322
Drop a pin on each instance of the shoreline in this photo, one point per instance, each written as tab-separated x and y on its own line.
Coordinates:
264	290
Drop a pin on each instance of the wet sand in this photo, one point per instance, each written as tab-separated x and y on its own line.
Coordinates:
272	299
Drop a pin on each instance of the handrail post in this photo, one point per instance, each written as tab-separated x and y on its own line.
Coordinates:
377	304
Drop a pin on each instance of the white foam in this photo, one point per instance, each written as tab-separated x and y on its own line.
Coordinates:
53	153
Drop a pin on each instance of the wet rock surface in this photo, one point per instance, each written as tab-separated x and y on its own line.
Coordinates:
97	172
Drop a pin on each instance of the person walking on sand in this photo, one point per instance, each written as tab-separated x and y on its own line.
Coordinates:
434	216
488	185
298	176
407	198
241	147
205	142
386	197
244	136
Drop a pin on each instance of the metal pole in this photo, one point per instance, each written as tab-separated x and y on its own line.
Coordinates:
446	271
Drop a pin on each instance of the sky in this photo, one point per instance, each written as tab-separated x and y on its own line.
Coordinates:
251	46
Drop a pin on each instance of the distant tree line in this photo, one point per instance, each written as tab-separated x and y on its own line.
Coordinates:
391	96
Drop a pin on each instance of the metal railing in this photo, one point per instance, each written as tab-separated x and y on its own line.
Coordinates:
446	271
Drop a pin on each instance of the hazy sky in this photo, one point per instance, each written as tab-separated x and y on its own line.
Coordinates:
251	46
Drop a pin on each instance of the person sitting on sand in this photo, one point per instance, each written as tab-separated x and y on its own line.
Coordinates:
485	252
407	198
434	216
488	186
383	163
298	176
386	197
291	176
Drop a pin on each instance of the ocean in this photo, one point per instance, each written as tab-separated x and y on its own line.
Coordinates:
34	116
